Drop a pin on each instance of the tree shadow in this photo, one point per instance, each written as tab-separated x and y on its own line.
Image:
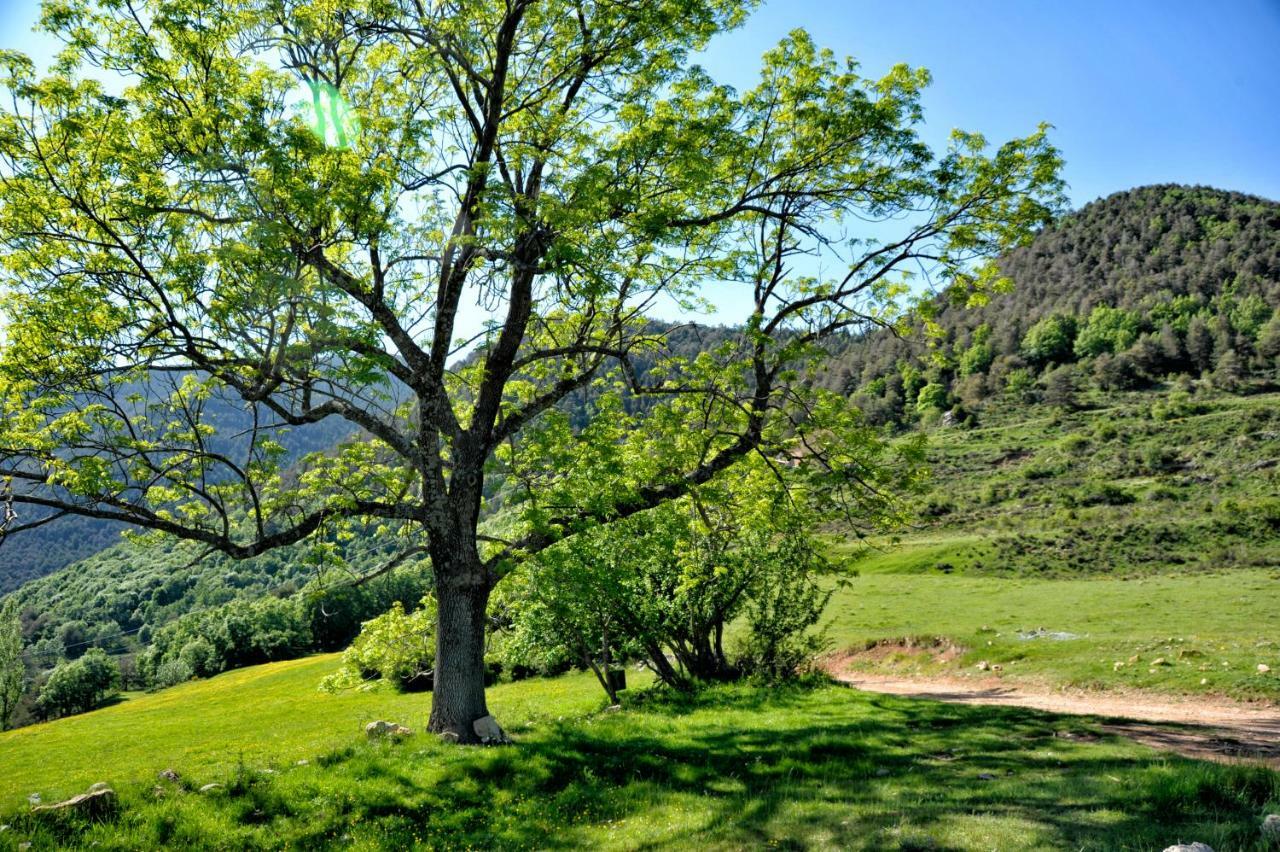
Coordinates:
830	777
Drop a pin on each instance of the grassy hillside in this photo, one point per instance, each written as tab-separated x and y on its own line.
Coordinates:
1142	537
735	767
1133	484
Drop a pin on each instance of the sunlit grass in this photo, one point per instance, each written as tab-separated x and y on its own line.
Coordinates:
736	767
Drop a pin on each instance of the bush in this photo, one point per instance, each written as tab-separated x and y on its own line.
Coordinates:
1050	340
1175	406
1107	330
932	399
80	685
200	658
172	673
666	584
396	647
1100	494
1117	372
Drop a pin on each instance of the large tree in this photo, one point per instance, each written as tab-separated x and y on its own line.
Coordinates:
178	227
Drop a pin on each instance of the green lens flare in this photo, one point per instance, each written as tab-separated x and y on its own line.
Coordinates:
331	118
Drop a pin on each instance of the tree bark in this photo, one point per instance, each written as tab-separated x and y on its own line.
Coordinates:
462	597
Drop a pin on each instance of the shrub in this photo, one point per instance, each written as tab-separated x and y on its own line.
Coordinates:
1100	494
1107	330
932	399
80	685
1050	340
395	647
1176	405
172	673
199	657
1117	372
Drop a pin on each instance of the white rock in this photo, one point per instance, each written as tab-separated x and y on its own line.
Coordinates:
379	729
489	731
1189	847
1271	828
209	788
1263	668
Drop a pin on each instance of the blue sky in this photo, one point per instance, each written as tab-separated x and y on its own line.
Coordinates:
1140	91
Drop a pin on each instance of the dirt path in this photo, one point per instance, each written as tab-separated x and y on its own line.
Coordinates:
1200	727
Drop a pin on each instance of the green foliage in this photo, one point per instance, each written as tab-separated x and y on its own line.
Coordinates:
222	250
1177	405
670	585
13	669
80	685
931	399
1061	386
396	647
1107	329
978	357
733	766
1050	340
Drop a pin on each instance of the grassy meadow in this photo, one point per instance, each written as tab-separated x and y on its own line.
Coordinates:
821	767
1080	549
1000	572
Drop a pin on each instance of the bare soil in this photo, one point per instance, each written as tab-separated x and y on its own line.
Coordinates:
1204	727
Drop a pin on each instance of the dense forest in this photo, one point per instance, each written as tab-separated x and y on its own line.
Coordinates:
1159	287
1143	284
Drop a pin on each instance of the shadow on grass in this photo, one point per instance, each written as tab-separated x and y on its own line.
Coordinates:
873	773
746	768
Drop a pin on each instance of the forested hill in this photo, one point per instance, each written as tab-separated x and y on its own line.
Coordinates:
1163	279
64	540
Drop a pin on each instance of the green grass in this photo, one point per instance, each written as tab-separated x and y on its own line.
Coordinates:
264	716
1214	628
735	767
1108	491
1187	573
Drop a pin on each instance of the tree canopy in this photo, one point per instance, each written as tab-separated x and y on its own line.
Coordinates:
179	226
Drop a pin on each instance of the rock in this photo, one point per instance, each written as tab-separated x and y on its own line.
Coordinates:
613	708
986	776
983	666
168	775
948	419
1271	828
1263	668
448	736
489	732
882	772
380	729
1160	661
1189	847
98	801
210	788
302	763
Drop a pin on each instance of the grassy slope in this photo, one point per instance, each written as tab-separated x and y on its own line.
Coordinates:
736	767
1187	572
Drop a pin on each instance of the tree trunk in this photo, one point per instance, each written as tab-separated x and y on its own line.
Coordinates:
462	596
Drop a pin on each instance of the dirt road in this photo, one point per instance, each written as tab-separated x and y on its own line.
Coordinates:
1203	727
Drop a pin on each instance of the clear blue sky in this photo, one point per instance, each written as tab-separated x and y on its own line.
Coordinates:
1140	91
